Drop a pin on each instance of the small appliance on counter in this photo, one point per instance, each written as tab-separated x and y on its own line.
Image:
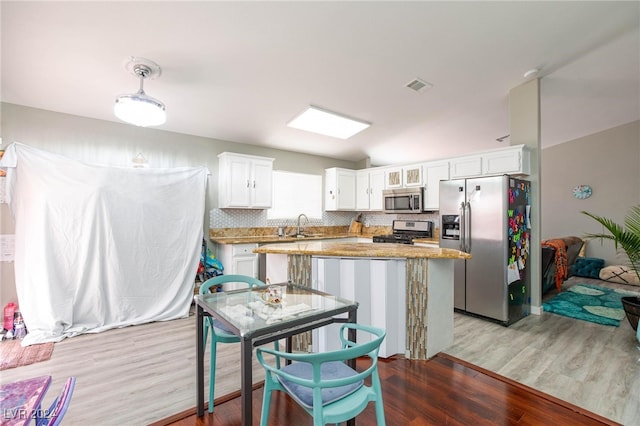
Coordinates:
405	231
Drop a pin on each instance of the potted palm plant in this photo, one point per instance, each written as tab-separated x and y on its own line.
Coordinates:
627	239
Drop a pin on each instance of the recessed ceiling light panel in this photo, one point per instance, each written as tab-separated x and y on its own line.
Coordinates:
323	122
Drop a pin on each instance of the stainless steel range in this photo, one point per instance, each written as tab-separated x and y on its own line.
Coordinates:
405	231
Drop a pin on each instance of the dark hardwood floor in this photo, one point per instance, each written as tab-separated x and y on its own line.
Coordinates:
441	391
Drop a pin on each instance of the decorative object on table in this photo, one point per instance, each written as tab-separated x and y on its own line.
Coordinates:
327	388
273	295
582	192
219	332
590	303
13	354
626	238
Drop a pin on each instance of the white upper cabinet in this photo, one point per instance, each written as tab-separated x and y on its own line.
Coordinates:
349	190
340	189
362	190
393	178
369	186
514	160
412	175
244	181
376	185
403	177
463	167
433	174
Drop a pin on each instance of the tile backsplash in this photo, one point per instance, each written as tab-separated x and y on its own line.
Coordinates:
248	218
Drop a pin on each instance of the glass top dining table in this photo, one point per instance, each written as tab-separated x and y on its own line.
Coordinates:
261	315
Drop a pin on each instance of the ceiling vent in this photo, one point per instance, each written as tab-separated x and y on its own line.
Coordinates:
418	85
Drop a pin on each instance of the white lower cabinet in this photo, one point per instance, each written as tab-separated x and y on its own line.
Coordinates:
238	259
378	285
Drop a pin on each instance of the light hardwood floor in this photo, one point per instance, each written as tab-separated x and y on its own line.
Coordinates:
140	374
593	366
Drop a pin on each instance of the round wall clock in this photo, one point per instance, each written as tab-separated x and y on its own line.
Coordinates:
582	191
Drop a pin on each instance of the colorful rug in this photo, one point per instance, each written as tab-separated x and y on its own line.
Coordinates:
589	303
13	355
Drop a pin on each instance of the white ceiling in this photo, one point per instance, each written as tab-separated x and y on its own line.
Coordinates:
239	71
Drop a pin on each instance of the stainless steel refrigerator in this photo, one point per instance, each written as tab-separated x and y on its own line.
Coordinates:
489	218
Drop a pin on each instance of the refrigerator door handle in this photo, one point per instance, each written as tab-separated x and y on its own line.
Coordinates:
467	228
462	227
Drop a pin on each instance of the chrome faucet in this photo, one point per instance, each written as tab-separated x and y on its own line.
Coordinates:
300	230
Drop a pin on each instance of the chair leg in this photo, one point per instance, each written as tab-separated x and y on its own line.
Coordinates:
266	401
380	413
379	404
212	374
276	346
205	334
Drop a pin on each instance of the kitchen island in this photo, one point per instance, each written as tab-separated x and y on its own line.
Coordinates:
405	288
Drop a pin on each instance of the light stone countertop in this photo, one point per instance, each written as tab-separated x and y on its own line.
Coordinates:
378	250
261	239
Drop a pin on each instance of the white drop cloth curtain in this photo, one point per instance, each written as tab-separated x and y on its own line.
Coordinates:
100	247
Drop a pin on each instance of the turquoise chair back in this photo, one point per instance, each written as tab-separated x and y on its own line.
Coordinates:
218	281
323	384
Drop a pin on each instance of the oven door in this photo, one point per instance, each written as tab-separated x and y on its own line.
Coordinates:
402	201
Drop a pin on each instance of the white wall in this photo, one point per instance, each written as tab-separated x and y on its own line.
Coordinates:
608	161
112	143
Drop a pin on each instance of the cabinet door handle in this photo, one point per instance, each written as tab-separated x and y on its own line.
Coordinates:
254	184
247	183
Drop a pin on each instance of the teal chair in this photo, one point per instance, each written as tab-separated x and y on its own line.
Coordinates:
219	332
323	384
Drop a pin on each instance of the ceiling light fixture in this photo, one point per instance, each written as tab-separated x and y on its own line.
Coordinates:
321	121
138	108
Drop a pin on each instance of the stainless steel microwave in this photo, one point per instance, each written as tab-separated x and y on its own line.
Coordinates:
405	200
